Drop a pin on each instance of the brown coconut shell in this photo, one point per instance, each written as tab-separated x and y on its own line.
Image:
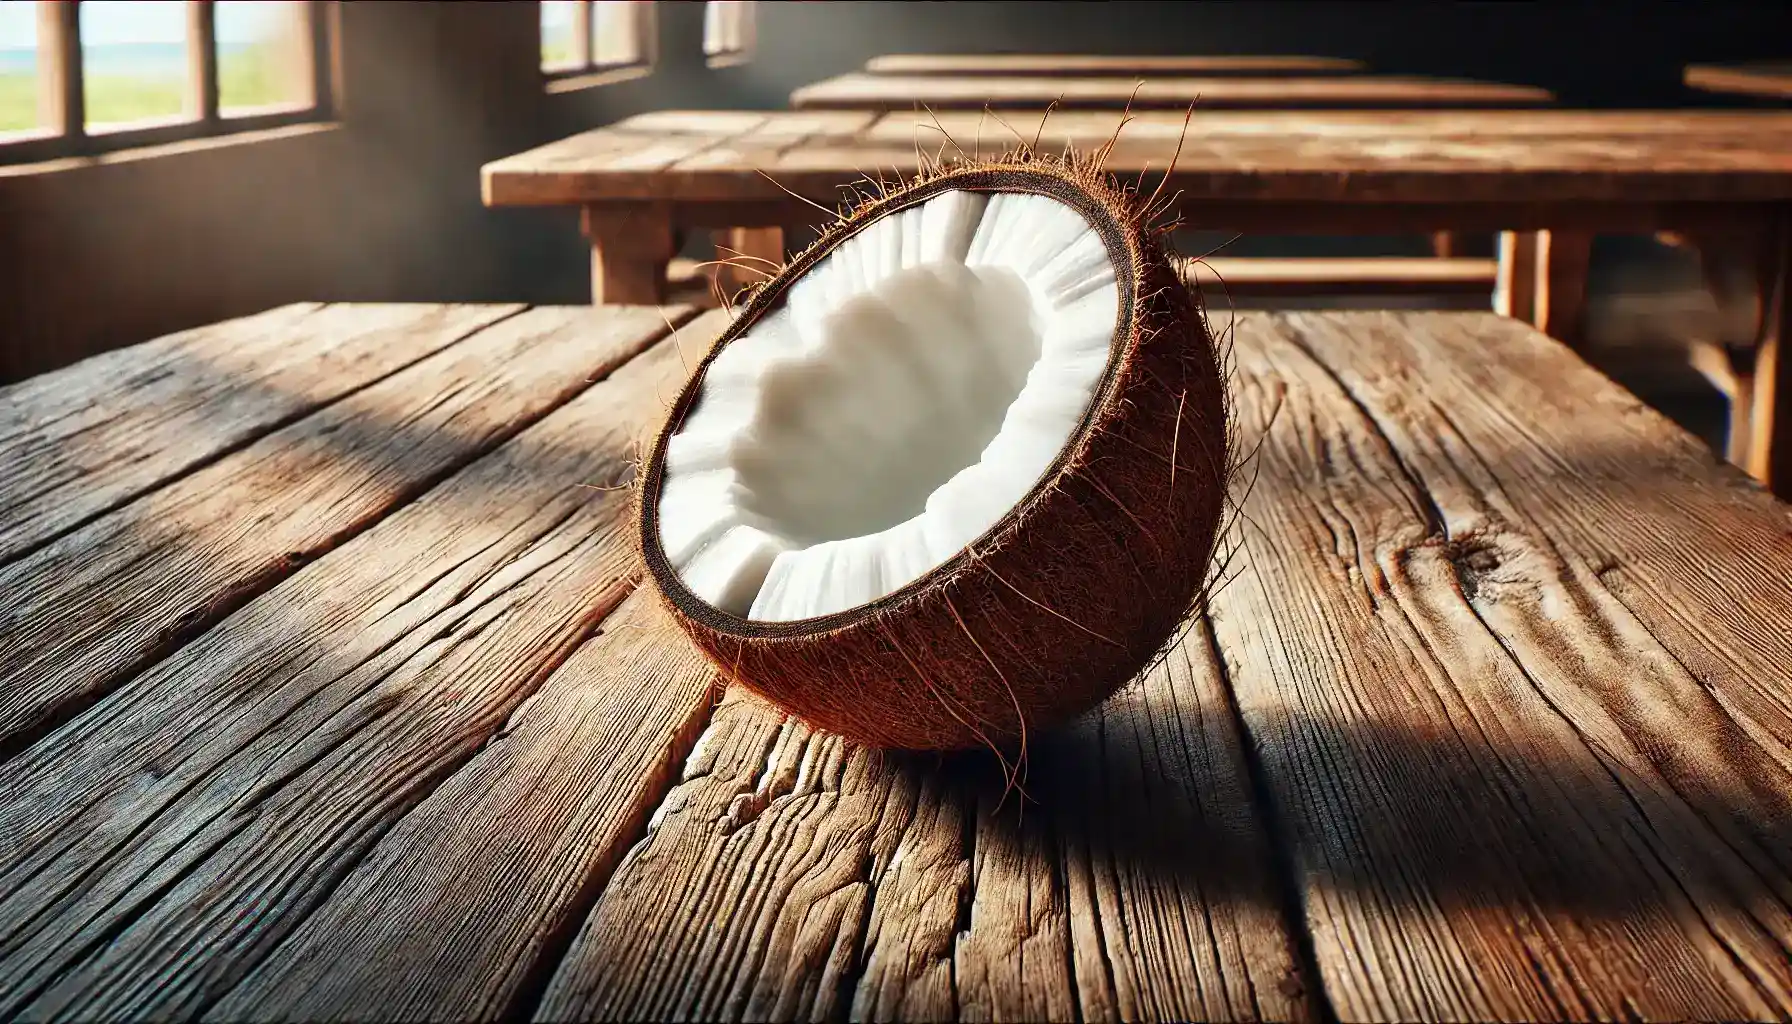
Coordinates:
1069	595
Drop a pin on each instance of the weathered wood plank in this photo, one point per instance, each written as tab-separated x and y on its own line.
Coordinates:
167	841
1104	64
1702	554
100	603
1175	907
747	898
789	876
1224	277
1504	797
81	441
640	145
952	92
457	910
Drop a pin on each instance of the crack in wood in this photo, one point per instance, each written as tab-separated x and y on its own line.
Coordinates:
1290	893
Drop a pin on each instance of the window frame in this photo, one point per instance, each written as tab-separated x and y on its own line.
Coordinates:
584	68
62	97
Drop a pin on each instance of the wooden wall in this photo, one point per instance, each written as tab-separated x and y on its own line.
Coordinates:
385	205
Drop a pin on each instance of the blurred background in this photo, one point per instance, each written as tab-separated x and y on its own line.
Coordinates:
352	169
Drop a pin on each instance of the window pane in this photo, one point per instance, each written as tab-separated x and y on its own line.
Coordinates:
727	28
264	55
133	61
559	39
616	29
18	66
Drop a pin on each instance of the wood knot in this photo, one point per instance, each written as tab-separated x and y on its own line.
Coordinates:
1473	558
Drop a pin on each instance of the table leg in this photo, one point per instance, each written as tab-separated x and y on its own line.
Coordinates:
757	253
1515	290
1563	257
1543	281
630	247
1444	244
1770	444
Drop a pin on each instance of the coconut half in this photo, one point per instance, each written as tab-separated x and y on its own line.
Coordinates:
956	471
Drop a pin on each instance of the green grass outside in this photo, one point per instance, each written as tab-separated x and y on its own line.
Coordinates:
18	102
557	49
248	78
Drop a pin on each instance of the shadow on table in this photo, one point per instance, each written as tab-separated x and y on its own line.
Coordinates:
1392	824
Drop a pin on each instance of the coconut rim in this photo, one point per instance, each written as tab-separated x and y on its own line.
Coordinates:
1034	176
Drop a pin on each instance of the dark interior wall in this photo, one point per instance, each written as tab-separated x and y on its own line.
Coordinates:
1613	53
385	204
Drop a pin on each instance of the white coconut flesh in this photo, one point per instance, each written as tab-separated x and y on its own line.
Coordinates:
911	389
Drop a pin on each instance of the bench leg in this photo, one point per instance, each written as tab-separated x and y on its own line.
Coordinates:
1444	244
1770	443
758	253
1718	253
1543	281
1713	361
630	248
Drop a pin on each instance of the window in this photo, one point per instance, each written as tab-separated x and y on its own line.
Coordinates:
88	76
727	32
581	37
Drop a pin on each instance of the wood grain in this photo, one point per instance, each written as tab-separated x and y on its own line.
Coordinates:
1017	92
1230	160
457	910
747	898
100	603
629	252
82	441
1086	64
644	144
1770	80
169	840
790	876
1506	793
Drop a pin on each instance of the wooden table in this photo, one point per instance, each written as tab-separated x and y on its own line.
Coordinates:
1091	64
1768	79
1553	177
326	693
1026	92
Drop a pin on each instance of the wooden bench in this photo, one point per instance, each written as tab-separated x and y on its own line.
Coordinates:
1089	64
1552	178
1021	92
1765	80
326	691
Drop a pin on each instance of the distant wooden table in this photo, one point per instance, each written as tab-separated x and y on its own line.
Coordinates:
1105	64
1026	92
1770	80
1554	177
326	692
